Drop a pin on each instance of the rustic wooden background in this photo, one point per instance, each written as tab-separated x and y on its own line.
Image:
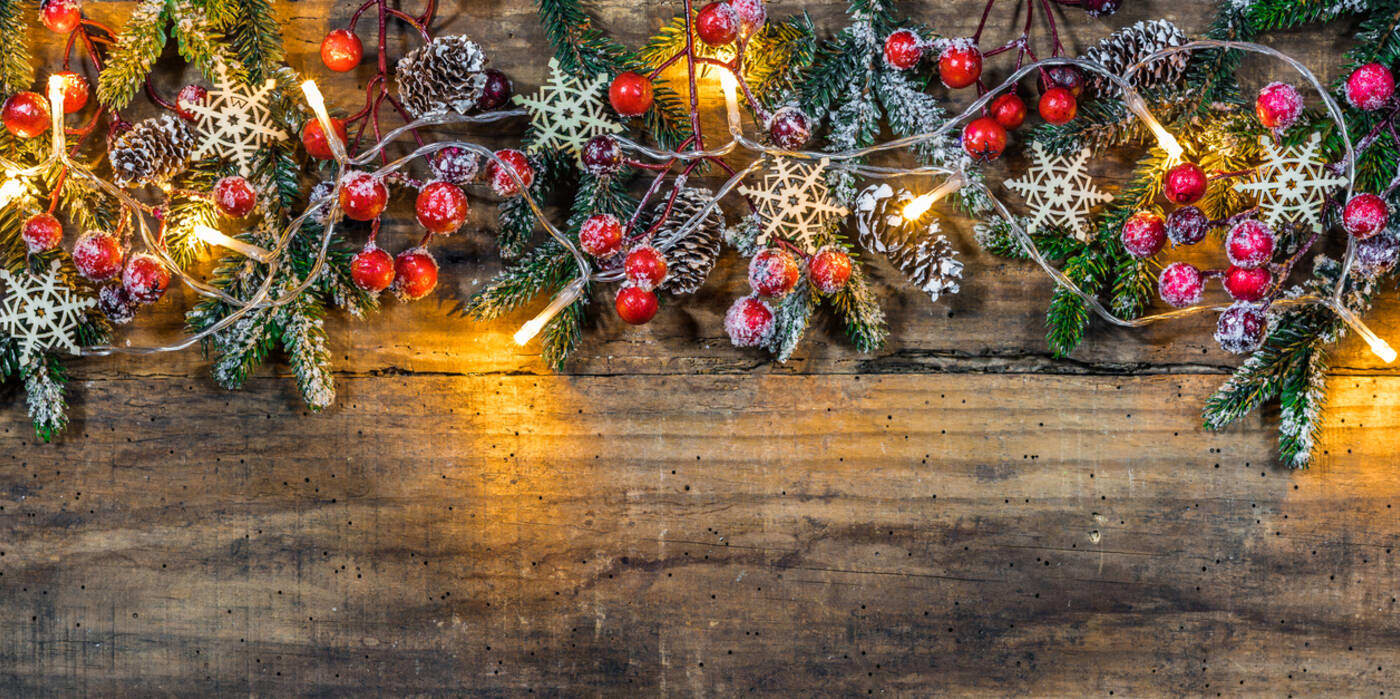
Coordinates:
956	513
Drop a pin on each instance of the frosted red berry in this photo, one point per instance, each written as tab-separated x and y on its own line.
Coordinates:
829	270
41	233
1247	284
903	49
1278	106
1058	106
372	269
1180	284
752	15
1187	225
363	196
441	207
1249	244
717	24
789	128
61	16
342	50
515	161
984	139
1370	87
630	94
645	267
1068	77
1184	184
313	137
234	196
1097	8
635	305
495	92
26	114
76	91
1240	328
415	274
601	235
749	322
189	95
774	272
115	304
145	278
97	256
960	65
1144	234
456	165
1009	110
602	155
1365	215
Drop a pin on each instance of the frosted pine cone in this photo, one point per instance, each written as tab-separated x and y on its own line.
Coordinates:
916	249
690	259
151	152
446	75
1129	45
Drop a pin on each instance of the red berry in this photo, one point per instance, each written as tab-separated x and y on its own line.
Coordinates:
1181	284
630	94
41	233
116	304
1241	328
752	15
1184	184
61	16
774	272
1250	244
1370	87
1365	215
749	322
1187	225
188	95
645	267
1096	8
1143	234
415	274
601	235
1278	106
1247	284
1069	77
960	65
717	24
789	128
635	305
903	49
145	278
495	92
26	114
456	165
75	92
1009	110
363	196
984	139
441	207
372	269
829	270
515	161
314	138
235	197
342	50
97	256
1058	106
602	155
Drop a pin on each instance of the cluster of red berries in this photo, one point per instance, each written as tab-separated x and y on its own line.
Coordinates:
602	236
773	274
98	257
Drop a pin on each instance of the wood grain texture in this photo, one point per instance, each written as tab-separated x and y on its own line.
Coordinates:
958	513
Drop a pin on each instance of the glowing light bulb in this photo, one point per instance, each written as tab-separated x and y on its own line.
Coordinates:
214	236
56	83
1165	139
10	190
730	85
532	327
918	206
317	103
1379	347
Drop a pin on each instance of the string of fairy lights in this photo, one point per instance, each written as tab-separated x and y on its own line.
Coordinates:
955	178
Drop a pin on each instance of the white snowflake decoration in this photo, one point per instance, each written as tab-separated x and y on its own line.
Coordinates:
1291	184
40	312
234	120
567	111
1059	191
794	201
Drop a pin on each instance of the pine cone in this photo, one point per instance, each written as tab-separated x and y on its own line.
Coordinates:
690	259
445	75
915	248
1130	45
152	151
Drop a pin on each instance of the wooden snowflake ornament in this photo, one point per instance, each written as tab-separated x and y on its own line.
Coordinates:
1059	191
794	202
40	312
234	120
567	111
1292	184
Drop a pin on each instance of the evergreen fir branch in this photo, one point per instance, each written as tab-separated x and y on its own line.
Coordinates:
860	311
1068	315
186	210
252	28
16	65
548	266
44	380
241	348
198	41
304	340
563	333
134	54
582	48
790	320
777	55
1302	397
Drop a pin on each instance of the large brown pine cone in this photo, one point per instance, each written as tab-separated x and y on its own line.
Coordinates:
446	75
152	152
